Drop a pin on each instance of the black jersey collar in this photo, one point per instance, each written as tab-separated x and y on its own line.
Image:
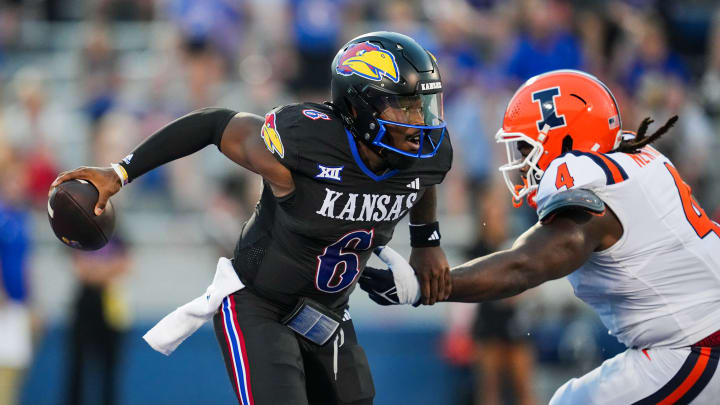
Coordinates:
361	164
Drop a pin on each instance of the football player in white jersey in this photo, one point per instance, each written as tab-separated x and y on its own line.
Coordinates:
615	216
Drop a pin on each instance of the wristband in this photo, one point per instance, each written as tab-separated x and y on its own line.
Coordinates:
425	235
121	172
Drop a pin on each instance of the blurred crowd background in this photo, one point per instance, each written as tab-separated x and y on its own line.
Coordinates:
83	81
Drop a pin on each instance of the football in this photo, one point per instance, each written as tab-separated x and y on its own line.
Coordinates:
71	214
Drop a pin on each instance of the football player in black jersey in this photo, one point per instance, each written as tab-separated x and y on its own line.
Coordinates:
337	179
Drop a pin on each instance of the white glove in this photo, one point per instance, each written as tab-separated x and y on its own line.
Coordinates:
406	284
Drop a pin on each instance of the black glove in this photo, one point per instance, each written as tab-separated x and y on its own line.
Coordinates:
380	285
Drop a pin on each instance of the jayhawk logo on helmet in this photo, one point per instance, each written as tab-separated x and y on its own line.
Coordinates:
271	136
369	61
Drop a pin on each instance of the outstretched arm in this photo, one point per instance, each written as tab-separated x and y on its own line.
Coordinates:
237	135
544	252
429	262
241	143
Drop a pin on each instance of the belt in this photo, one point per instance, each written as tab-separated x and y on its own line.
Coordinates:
710	341
284	302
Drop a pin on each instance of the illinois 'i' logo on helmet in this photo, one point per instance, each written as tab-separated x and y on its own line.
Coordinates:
271	136
369	61
548	108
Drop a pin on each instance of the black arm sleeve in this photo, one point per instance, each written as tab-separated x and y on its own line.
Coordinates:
184	136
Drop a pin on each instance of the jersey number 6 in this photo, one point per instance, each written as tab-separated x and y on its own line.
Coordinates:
345	264
696	216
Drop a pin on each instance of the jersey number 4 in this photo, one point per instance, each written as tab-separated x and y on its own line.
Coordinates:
696	216
337	269
563	177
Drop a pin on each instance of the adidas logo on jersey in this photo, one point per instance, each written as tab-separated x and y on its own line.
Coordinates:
415	184
434	236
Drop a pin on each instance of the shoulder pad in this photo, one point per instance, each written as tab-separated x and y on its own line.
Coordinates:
571	171
304	114
573	198
294	130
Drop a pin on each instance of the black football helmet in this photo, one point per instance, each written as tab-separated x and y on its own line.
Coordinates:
389	74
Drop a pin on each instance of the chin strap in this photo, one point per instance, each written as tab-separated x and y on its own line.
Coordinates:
531	199
515	202
530	196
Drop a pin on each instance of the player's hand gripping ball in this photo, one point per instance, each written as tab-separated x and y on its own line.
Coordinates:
71	213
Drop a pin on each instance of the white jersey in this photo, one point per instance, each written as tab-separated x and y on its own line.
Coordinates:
648	376
659	285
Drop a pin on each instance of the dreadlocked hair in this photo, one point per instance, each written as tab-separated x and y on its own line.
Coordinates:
634	145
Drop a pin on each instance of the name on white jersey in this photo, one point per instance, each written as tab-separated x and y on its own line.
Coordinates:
645	156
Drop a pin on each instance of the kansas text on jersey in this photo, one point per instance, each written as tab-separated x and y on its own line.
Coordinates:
316	241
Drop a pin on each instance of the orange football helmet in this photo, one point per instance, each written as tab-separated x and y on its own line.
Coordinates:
550	112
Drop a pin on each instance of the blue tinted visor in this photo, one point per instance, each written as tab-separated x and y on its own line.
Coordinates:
410	125
428	138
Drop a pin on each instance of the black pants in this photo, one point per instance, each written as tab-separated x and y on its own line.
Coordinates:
269	364
94	349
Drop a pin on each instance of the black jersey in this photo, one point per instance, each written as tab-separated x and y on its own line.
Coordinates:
316	241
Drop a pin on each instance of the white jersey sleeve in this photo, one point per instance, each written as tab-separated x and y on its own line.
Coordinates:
659	284
578	170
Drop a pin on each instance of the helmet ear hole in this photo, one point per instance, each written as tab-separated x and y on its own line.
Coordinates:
567	144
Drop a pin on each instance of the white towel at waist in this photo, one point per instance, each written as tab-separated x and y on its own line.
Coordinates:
178	325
